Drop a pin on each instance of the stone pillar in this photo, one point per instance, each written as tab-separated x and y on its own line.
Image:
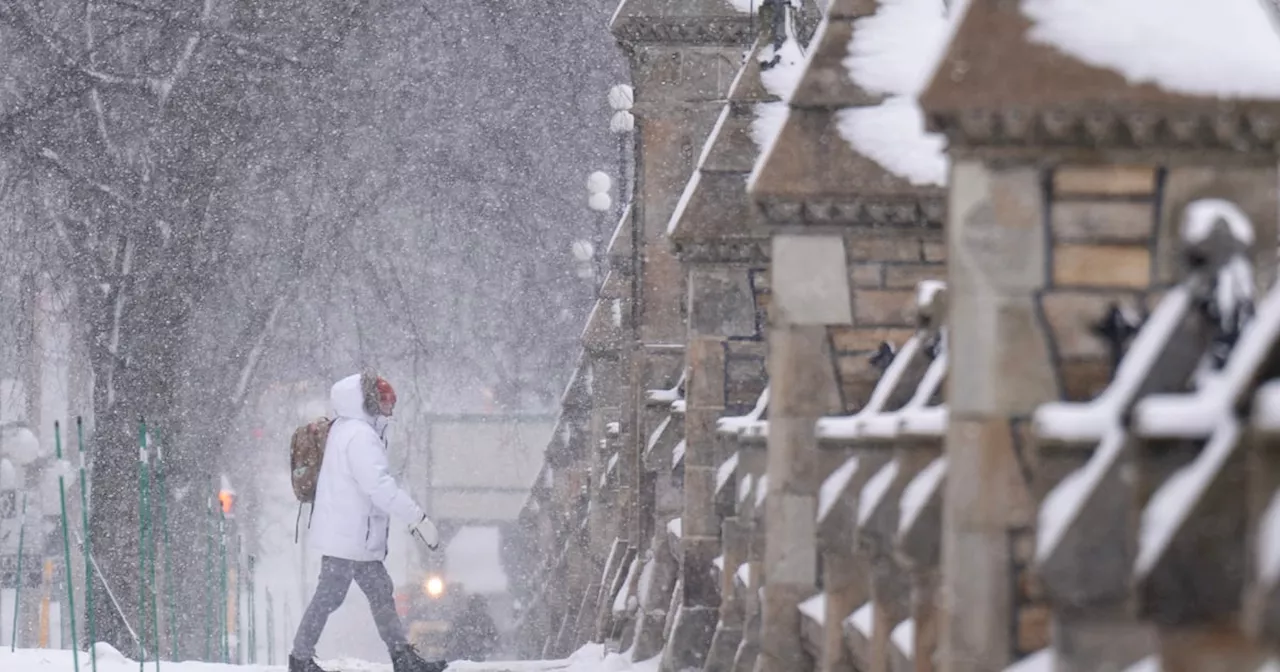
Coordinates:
728	633
700	542
683	57
810	288
1061	175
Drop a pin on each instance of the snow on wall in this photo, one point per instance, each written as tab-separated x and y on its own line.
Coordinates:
743	575
1266	407
894	52
676	528
1269	543
646	580
918	491
815	608
874	491
624	593
744	488
677	453
762	490
725	471
833	485
779	79
1200	217
904	637
656	436
1173	501
1063	503
1226	48
892	134
861	619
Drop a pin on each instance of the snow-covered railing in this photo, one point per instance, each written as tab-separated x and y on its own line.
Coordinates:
753	425
900	384
1195	504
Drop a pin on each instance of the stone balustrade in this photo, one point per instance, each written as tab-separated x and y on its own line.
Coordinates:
807	453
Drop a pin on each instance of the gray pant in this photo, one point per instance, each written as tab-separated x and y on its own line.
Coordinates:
336	576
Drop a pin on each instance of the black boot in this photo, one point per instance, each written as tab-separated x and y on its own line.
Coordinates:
303	665
406	659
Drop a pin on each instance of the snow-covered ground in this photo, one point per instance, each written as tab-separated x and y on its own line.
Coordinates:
590	658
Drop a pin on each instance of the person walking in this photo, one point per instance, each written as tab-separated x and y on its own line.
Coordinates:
355	499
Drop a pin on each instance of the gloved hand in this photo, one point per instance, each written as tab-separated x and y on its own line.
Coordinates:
426	534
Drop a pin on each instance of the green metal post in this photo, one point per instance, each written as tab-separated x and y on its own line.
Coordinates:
143	516
66	542
222	546
162	494
208	582
252	617
17	589
88	565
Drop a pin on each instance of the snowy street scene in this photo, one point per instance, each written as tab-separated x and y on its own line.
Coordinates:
640	336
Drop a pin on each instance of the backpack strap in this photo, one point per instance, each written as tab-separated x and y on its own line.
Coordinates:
298	521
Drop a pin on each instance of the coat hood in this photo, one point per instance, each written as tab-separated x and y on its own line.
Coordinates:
347	397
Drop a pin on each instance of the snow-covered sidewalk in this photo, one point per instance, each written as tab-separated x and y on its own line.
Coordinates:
590	658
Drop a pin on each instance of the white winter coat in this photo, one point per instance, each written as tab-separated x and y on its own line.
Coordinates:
355	494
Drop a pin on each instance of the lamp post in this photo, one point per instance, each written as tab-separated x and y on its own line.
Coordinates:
623	124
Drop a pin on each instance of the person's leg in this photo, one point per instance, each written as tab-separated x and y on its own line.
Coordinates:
335	578
375	582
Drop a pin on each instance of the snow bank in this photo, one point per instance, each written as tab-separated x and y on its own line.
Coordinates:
1226	48
590	658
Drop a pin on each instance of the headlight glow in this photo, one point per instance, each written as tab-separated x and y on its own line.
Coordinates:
434	586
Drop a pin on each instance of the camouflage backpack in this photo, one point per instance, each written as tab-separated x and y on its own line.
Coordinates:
306	453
